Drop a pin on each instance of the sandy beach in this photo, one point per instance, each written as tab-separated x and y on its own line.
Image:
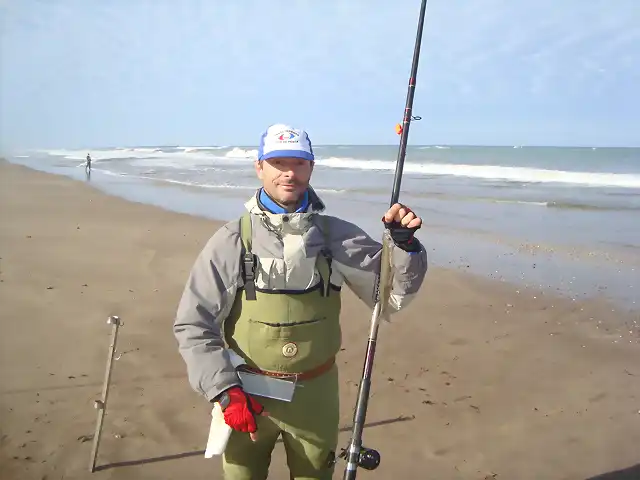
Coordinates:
475	380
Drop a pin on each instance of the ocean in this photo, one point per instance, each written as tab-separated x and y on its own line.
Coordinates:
565	220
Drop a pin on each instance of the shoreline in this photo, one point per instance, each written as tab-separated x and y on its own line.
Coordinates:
573	270
472	379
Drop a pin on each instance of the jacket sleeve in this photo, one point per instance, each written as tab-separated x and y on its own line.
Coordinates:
206	301
357	257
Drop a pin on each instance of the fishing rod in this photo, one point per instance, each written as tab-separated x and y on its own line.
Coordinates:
355	454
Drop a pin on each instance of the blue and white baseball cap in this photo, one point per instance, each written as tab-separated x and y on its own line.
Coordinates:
281	140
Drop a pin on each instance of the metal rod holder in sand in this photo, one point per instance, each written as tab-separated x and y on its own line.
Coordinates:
101	405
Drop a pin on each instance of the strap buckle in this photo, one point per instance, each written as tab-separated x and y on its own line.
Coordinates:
249	275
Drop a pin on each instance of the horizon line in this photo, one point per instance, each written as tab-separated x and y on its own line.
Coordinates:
449	145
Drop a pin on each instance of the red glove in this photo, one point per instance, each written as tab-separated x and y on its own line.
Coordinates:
241	410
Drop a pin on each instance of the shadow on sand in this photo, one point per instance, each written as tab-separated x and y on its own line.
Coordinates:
631	473
177	456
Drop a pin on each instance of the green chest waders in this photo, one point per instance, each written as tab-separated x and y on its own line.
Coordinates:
288	332
284	331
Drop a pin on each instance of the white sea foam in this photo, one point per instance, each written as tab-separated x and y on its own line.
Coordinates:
493	172
236	152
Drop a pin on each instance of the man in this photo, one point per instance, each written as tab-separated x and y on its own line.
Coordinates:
267	288
88	164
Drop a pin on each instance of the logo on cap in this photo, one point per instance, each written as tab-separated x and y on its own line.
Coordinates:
288	136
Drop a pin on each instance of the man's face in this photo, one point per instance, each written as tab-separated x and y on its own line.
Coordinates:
285	179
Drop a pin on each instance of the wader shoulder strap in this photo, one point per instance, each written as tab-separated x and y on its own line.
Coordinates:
248	259
323	262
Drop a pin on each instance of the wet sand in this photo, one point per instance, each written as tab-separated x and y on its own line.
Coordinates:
476	379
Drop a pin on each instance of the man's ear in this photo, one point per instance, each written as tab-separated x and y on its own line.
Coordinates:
312	164
258	167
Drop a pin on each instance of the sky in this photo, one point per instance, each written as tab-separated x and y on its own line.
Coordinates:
90	73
